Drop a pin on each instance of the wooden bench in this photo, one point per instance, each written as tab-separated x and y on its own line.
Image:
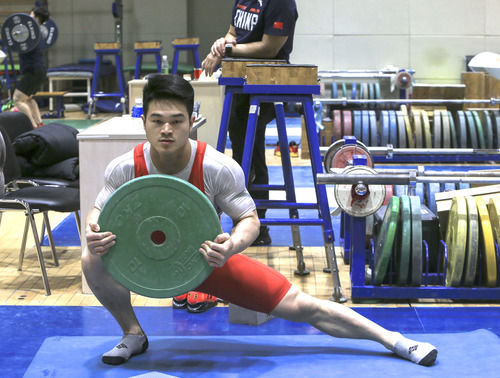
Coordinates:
58	96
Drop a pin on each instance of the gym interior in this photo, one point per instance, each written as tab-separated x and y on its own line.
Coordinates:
387	125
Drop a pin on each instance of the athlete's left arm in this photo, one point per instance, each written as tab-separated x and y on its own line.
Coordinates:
243	234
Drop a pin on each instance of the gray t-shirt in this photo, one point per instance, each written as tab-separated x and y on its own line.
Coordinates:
223	179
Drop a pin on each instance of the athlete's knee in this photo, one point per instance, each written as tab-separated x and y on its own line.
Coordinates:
296	306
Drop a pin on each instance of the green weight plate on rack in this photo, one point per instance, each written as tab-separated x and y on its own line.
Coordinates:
377	91
479	129
384	118
437	129
427	129
462	130
445	125
365	127
453	131
385	240
487	243
456	240
472	250
401	129
357	124
472	130
373	128
418	130
344	90
496	128
416	241
160	223
488	128
494	212
403	251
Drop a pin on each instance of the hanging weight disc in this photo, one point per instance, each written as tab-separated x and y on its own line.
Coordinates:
402	255
384	119
344	156
472	250
453	130
462	130
347	122
437	129
337	125
335	90
479	129
417	126
456	240
48	33
494	212
353	91
472	130
416	241
160	223
488	128
487	243
373	128
20	33
385	240
427	129
358	206
496	118
401	129
357	124
409	132
371	92
344	90
365	127
363	92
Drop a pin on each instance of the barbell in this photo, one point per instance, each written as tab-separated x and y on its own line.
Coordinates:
21	33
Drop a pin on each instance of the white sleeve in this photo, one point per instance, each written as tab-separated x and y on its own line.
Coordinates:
117	173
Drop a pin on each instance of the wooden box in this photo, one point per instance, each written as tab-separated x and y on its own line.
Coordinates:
147	45
106	46
282	74
237	67
186	41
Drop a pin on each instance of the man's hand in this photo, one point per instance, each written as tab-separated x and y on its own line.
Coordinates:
98	242
219	46
217	252
209	65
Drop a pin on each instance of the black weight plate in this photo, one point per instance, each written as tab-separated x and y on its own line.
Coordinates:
462	130
472	130
20	33
160	223
479	129
437	129
48	33
488	128
453	130
445	124
385	128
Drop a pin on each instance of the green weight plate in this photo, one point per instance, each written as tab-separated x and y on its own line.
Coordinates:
496	118
479	129
401	129
456	240
487	243
462	130
344	90
445	124
385	240
488	128
160	223
472	242
427	129
416	241
437	129
404	238
417	127
453	130
472	130
377	91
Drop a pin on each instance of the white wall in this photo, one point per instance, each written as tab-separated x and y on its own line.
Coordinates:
430	36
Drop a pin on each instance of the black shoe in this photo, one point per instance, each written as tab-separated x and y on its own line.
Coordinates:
264	238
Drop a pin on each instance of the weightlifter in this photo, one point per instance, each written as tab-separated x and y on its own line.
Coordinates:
33	73
236	278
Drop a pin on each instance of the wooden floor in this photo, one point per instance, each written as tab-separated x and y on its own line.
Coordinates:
26	288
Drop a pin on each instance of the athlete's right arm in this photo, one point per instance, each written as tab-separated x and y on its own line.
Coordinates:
98	242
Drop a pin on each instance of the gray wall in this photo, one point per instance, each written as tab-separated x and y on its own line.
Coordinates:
430	36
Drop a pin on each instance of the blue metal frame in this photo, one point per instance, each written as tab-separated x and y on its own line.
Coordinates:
119	70
138	61
178	48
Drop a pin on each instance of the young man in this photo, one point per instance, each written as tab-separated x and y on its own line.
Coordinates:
262	29
33	74
168	104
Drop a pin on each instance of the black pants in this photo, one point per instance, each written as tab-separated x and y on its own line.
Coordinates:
238	120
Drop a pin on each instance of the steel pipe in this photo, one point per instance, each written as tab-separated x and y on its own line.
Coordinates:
345	101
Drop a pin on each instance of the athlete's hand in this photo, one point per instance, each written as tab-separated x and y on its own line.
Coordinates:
98	242
217	252
218	48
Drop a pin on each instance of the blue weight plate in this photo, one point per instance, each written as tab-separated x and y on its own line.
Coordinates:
353	91
335	90
430	193
463	185
445	125
453	130
401	129
385	128
357	124
393	129
448	187
472	130
365	127
374	134
488	128
400	190
462	137
479	129
437	129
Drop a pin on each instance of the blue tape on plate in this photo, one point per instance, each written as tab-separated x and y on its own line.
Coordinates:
374	134
357	124
365	127
393	129
384	139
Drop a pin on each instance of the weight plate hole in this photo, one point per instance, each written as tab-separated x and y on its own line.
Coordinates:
158	237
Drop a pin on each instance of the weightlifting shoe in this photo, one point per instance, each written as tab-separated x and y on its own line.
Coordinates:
264	238
179	302
200	302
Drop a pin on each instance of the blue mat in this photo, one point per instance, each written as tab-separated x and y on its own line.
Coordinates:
466	354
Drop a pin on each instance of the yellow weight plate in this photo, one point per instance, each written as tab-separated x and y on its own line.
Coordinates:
445	123
456	240
417	127
494	211
472	242
409	132
487	243
427	129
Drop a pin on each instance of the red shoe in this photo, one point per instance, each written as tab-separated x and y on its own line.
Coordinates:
200	302
277	150
294	149
179	302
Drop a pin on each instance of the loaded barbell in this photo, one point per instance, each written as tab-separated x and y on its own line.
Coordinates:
21	33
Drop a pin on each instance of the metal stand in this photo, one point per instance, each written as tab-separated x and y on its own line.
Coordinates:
138	61
189	47
278	94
